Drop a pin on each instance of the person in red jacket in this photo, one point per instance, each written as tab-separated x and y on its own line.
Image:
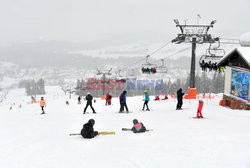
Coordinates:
199	110
42	105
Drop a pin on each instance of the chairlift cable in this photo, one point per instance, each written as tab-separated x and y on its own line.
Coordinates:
148	55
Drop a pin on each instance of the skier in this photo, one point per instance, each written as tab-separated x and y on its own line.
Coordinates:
79	99
199	110
42	105
146	100
67	102
89	99
138	127
88	130
107	99
179	99
123	102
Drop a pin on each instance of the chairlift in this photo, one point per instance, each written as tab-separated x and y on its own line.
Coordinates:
162	68
148	67
212	56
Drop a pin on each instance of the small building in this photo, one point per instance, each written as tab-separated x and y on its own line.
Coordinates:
237	74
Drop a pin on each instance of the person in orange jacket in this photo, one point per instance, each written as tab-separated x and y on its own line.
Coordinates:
42	105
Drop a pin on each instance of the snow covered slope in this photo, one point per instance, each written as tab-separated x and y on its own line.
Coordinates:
31	140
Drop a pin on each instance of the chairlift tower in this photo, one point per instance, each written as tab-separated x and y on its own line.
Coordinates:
194	34
104	80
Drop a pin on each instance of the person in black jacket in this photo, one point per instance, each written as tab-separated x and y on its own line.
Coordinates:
179	99
88	130
138	127
89	99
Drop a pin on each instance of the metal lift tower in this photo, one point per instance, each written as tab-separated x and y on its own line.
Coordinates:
195	34
104	80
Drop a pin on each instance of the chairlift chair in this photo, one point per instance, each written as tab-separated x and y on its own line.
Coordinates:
162	68
148	67
212	56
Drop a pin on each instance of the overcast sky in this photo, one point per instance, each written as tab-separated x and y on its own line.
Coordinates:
87	20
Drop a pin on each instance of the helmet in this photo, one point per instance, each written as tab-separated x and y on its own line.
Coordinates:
135	121
91	121
145	91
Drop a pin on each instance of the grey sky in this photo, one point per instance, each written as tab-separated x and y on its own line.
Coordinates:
84	20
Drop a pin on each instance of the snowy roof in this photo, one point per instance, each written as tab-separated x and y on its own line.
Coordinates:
244	52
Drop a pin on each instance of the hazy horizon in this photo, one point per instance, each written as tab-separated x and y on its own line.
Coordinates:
84	21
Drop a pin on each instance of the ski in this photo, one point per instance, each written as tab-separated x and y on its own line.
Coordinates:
199	118
106	133
100	133
129	129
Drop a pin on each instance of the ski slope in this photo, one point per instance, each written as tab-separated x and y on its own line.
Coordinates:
31	140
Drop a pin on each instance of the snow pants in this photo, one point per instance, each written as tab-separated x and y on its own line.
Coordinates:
179	104
88	104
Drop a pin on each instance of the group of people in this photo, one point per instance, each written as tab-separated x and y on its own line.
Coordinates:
148	70
210	66
123	101
89	132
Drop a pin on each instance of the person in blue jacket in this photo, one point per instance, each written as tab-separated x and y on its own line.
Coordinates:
123	102
146	100
179	99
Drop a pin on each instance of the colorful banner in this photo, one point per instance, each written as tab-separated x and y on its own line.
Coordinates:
240	84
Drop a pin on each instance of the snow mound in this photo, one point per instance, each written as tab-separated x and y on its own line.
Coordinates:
245	40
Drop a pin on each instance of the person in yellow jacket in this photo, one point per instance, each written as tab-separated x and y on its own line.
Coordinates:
42	105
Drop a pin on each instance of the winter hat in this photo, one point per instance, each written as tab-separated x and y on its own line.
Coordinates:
91	121
124	91
201	101
88	93
145	91
135	121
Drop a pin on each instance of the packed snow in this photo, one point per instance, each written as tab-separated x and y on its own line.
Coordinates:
31	140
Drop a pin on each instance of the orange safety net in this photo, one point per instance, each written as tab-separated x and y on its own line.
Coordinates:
103	97
191	93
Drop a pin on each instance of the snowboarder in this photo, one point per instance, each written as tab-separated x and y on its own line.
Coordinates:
146	100
138	127
123	102
179	99
88	130
89	99
42	105
79	99
67	102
